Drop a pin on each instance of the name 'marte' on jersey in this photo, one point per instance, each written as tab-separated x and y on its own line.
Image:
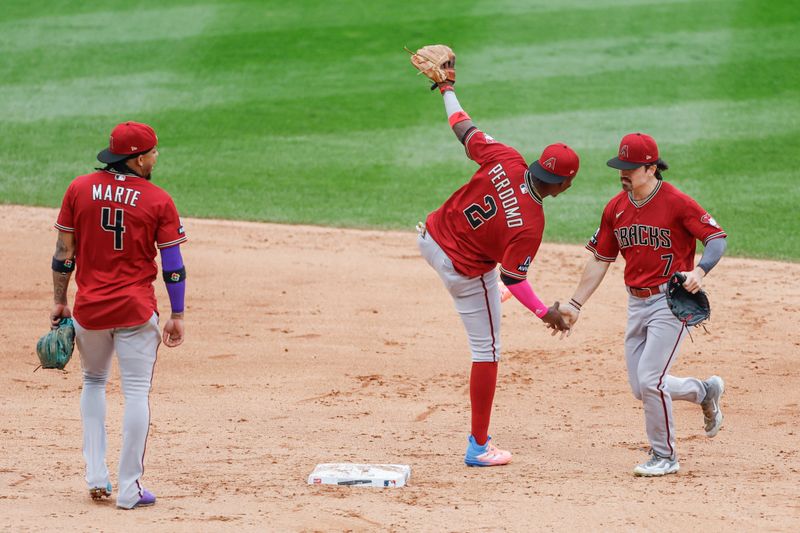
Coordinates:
507	196
643	235
115	193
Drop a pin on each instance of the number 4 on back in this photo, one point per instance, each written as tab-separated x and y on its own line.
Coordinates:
117	228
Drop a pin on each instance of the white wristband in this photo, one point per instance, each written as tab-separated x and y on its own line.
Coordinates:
451	104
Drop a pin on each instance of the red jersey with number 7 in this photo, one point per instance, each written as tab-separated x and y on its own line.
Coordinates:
496	217
119	221
657	236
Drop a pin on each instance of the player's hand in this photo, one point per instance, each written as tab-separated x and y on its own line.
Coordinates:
58	312
694	280
555	321
570	314
505	294
173	332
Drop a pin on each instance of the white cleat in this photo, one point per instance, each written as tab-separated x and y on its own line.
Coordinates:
657	466
712	413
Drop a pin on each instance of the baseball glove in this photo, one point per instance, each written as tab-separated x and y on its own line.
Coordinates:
437	62
691	309
55	348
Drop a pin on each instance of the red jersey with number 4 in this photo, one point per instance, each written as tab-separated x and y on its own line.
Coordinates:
497	217
657	236
118	222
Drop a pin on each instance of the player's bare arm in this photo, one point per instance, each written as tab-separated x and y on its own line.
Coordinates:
711	256
593	274
63	264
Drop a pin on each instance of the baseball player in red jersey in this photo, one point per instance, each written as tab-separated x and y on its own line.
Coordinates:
655	227
496	217
110	225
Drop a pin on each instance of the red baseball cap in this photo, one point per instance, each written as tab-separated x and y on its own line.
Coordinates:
635	150
557	163
127	139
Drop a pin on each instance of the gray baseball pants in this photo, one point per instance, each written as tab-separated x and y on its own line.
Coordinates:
477	301
136	349
652	341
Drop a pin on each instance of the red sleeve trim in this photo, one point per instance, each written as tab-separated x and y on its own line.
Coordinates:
514	275
65	229
466	141
170	244
718	235
600	257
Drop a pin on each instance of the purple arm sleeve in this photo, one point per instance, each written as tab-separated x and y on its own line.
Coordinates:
172	260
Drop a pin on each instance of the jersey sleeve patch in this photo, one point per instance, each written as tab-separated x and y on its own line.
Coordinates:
708	219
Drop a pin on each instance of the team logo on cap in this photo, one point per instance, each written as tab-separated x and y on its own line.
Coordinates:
623	151
550	163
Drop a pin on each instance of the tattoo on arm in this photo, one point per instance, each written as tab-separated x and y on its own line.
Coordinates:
65	249
65	246
60	285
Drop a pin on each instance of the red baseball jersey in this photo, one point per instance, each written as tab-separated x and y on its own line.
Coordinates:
657	236
118	222
496	217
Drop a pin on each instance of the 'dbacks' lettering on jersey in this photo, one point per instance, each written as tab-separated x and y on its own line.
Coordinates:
118	222
494	218
657	236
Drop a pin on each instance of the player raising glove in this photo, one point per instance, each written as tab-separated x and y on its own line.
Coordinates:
437	62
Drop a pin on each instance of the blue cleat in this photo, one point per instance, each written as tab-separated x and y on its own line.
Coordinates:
486	455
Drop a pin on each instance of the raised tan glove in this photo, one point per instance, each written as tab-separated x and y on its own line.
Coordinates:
436	61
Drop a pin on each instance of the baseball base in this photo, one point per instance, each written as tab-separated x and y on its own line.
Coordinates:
361	475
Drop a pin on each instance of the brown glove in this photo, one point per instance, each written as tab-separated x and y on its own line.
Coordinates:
437	62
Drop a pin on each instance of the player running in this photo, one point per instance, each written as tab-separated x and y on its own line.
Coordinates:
655	227
496	217
110	224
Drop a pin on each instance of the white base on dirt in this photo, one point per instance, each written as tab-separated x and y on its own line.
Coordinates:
350	474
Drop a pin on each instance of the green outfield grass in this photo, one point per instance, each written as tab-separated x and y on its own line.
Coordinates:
309	112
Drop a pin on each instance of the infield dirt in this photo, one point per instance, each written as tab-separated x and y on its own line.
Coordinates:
308	345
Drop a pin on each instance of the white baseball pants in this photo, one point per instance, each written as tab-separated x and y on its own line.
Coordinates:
136	349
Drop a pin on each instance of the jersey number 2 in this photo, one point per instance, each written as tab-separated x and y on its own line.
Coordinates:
477	215
117	228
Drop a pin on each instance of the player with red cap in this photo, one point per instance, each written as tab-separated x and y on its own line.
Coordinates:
111	224
655	227
495	218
